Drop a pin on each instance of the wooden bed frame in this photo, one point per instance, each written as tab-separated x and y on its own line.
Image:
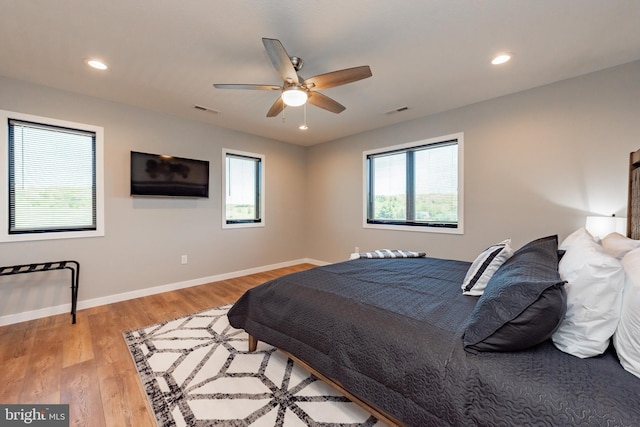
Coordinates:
379	414
633	205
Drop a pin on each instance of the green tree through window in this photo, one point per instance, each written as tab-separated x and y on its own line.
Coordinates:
415	185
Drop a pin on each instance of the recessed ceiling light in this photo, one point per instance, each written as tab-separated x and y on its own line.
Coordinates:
501	59
96	63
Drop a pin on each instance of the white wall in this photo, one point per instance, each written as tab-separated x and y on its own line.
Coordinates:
145	237
536	163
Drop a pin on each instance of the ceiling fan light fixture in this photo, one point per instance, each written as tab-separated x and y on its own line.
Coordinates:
294	96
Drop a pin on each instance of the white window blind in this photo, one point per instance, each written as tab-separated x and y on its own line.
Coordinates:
243	196
415	186
52	178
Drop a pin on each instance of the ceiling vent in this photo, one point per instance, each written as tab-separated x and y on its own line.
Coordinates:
397	110
207	109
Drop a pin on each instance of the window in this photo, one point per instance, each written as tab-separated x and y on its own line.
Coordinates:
416	186
53	187
244	189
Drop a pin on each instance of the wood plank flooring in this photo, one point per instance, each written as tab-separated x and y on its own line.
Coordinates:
88	365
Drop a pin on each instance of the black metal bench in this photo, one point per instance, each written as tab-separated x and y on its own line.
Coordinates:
73	266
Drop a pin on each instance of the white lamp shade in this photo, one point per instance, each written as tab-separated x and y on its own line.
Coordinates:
294	97
600	226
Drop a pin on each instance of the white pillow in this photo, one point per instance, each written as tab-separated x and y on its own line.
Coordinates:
484	266
627	336
594	286
618	245
568	241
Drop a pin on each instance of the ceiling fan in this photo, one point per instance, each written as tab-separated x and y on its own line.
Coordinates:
296	90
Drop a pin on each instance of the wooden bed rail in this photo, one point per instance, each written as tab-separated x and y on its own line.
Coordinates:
379	414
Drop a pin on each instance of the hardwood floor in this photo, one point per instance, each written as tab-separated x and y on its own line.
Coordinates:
88	365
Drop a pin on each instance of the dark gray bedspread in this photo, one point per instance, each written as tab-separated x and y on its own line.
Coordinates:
390	331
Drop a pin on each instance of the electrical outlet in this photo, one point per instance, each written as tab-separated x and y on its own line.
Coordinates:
184	259
357	250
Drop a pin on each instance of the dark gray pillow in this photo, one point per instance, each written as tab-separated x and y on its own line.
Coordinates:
523	302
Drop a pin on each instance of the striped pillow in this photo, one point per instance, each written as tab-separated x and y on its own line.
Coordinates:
484	266
388	253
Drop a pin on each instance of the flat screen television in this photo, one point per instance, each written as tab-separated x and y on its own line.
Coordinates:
161	175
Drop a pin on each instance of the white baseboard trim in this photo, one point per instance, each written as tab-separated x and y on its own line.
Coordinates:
110	299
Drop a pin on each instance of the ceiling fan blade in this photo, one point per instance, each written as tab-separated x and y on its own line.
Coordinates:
280	60
326	103
276	108
249	87
338	78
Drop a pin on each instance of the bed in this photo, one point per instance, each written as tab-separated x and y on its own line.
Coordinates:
401	337
390	331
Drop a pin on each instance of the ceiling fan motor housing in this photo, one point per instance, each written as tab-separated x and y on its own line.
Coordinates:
297	63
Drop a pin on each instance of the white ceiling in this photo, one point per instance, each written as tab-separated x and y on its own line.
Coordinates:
427	55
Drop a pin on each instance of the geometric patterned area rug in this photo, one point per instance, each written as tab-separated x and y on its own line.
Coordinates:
197	371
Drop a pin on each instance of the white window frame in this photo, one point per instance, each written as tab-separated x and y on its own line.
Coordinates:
262	222
422	229
4	179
